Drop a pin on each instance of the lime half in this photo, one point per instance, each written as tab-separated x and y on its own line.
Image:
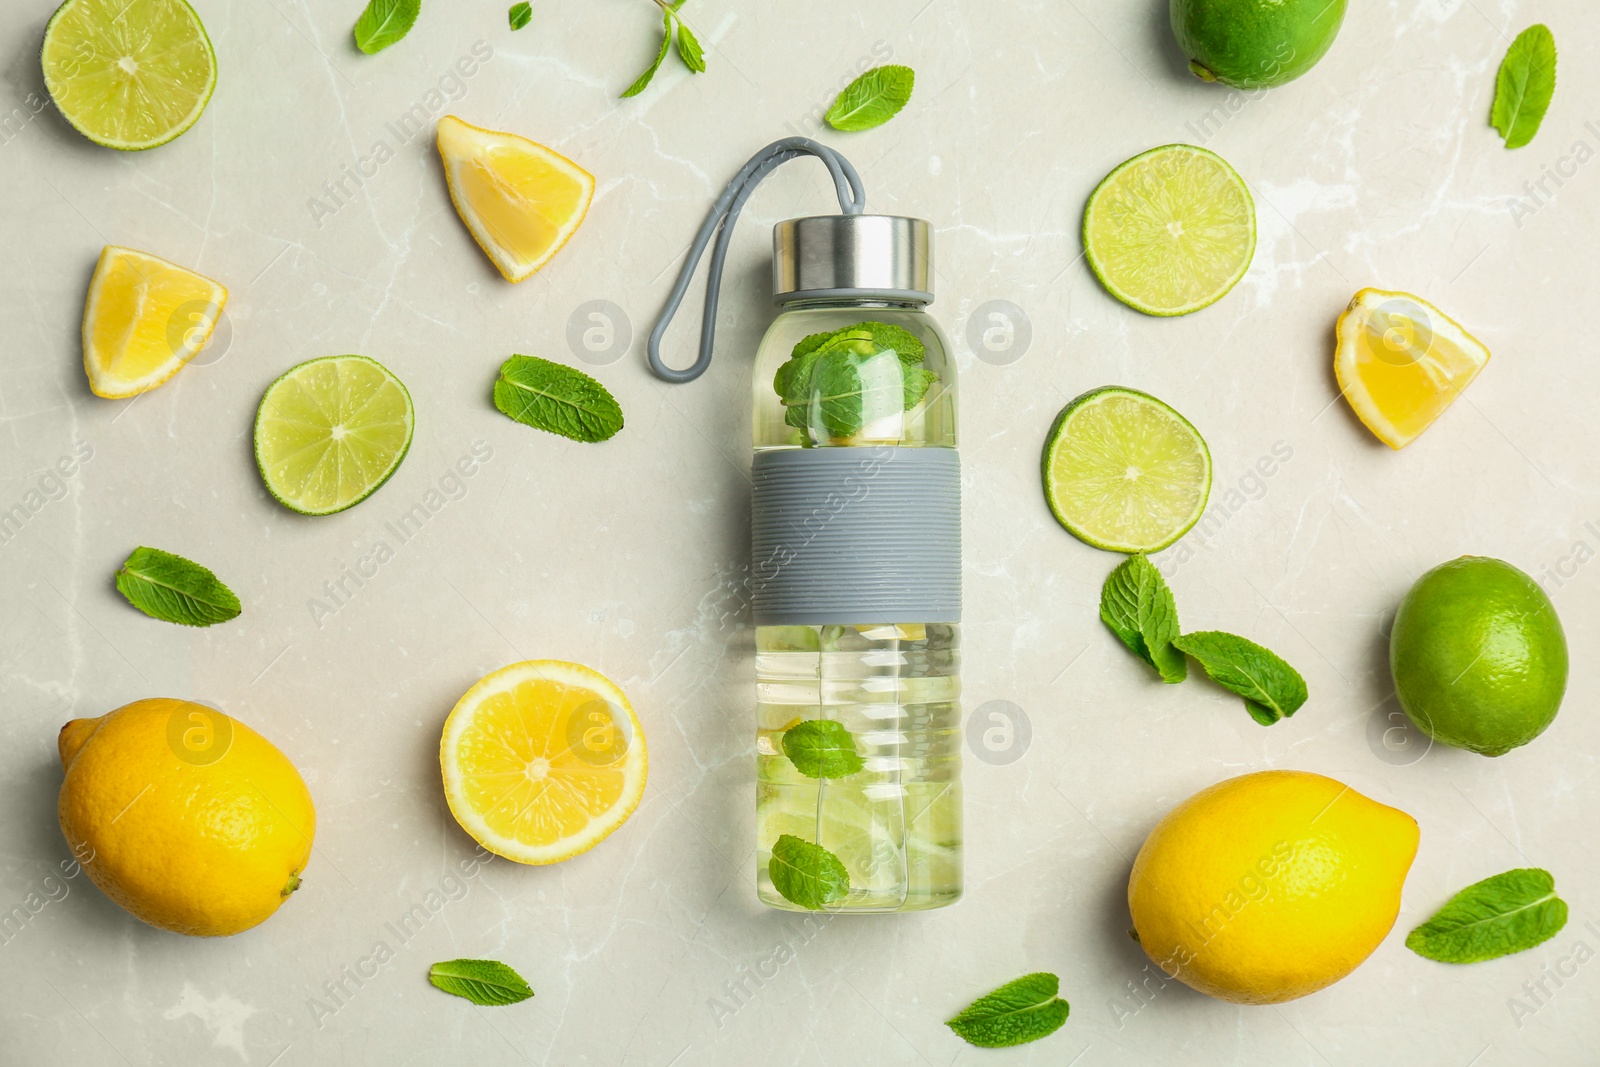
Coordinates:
330	432
1171	230
128	74
1124	472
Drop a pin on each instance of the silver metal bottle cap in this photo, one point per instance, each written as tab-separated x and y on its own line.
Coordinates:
889	257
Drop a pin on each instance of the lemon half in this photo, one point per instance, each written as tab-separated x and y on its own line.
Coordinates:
542	761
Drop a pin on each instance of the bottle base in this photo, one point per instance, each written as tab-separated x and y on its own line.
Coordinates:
922	902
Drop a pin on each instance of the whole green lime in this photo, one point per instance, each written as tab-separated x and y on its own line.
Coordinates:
1478	656
1255	44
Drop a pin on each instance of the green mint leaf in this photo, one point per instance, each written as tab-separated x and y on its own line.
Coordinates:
520	15
822	748
1496	917
689	50
840	392
832	382
795	377
489	983
1524	86
174	589
895	339
1137	606
384	22
806	874
872	99
554	397
1261	713
643	81
918	380
1272	689
1018	1012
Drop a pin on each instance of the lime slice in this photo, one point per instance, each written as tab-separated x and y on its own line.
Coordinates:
128	74
330	432
1124	472
1171	230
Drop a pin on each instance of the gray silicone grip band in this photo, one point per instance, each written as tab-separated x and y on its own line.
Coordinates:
856	535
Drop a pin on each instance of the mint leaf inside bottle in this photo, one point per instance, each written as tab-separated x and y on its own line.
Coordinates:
807	874
838	385
822	748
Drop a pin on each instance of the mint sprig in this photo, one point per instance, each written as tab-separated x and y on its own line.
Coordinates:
556	398
834	383
822	748
673	28
520	15
488	983
1137	606
1018	1012
173	589
1524	85
807	874
872	99
385	22
1272	689
1499	916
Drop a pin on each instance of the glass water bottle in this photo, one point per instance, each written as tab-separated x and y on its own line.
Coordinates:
856	575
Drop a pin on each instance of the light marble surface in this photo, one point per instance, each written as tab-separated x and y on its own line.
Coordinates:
1377	169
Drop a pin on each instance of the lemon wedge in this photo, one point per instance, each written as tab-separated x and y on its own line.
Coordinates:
520	200
542	760
1401	362
144	319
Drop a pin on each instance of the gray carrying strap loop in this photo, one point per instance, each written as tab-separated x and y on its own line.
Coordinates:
724	213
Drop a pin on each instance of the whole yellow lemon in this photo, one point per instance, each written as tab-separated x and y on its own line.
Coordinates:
187	818
1270	886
